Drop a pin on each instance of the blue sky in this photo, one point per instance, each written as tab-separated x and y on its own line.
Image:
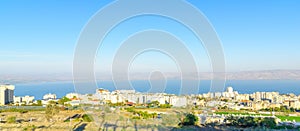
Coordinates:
40	36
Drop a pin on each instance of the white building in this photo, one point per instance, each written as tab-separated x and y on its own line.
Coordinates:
49	96
178	101
17	99
242	97
72	95
230	93
28	99
229	90
6	94
126	91
25	99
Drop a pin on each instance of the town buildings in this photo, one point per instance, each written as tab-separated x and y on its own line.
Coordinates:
254	101
18	100
131	96
229	99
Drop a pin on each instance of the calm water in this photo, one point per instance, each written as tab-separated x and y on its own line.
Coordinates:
172	87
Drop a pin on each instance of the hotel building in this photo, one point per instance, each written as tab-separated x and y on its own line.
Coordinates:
6	94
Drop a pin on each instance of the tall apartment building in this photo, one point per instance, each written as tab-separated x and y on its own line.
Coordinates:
6	94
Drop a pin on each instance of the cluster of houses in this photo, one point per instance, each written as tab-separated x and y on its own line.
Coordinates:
256	101
30	100
26	100
131	97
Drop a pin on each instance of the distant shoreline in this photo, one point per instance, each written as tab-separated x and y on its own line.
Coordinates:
242	86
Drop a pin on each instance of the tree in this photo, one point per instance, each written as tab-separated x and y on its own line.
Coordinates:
190	119
292	109
277	109
63	100
153	104
39	102
269	122
251	121
247	121
51	110
284	108
232	120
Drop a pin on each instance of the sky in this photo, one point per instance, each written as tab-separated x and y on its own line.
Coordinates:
41	36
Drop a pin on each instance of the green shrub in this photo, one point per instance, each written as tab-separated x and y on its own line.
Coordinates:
22	111
136	117
165	106
11	119
130	109
87	118
190	119
29	128
51	110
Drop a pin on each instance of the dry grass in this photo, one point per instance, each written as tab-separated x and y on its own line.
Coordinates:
37	120
115	120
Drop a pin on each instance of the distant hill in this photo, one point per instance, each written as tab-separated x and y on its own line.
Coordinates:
258	75
243	75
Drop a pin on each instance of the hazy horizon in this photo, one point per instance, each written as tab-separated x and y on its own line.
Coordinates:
68	77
